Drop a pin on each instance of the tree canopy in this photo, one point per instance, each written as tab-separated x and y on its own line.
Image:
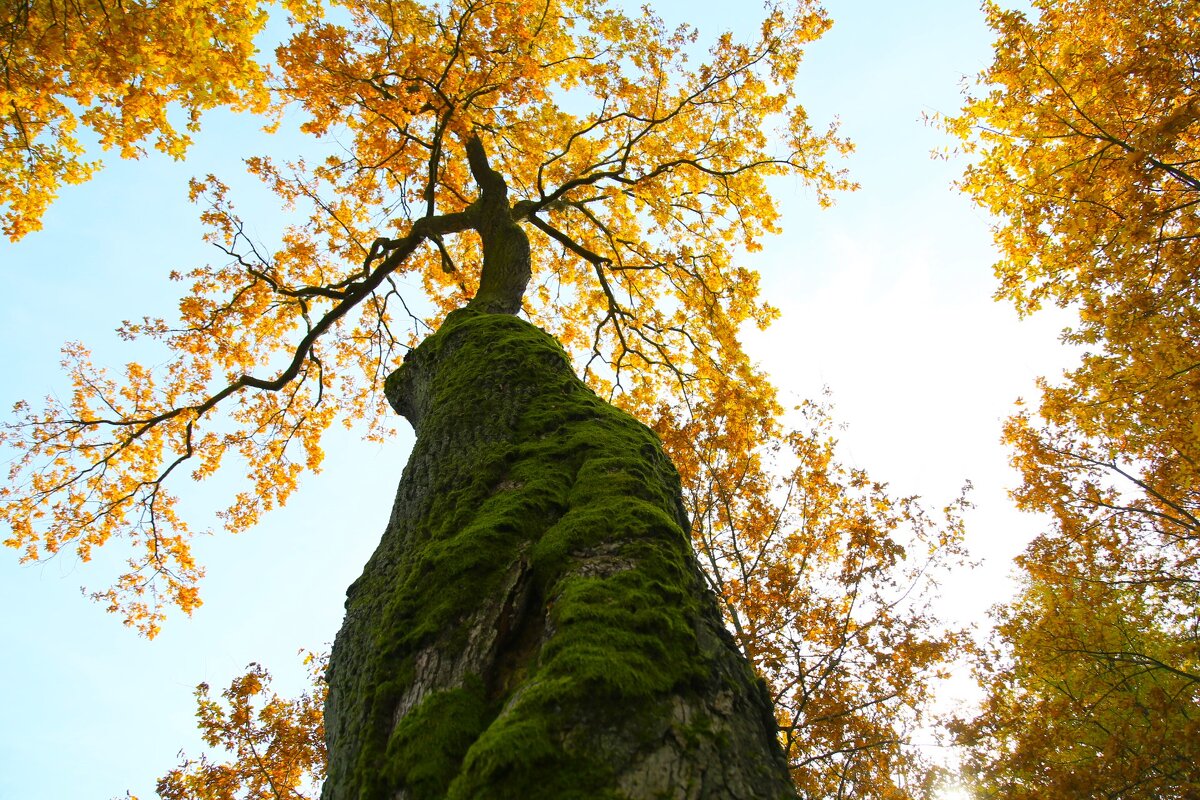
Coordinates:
638	175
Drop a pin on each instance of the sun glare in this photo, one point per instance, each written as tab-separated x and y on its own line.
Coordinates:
955	793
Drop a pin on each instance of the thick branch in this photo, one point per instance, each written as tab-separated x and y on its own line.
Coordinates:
506	264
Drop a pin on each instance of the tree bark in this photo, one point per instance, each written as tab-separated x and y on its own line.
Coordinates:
506	266
534	623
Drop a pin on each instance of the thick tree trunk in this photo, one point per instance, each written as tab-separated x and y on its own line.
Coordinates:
533	623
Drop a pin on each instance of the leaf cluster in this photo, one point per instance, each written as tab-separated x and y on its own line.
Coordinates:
276	745
119	69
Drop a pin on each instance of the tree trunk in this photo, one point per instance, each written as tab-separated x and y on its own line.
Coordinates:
534	623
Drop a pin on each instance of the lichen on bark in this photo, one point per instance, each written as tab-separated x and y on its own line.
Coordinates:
534	623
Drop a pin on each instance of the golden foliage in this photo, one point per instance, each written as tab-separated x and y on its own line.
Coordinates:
276	747
1086	148
117	68
1086	145
1090	692
639	176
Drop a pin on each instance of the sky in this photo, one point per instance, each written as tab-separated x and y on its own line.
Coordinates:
886	300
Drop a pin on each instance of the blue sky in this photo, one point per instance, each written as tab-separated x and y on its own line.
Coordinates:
886	299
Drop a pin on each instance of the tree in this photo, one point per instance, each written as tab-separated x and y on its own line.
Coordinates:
1088	694
468	132
104	64
533	622
1086	145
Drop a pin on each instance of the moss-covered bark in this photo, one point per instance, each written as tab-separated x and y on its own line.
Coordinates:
533	623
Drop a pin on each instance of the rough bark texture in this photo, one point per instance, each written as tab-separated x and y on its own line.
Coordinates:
533	623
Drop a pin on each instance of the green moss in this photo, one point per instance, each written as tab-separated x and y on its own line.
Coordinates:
523	484
426	748
519	758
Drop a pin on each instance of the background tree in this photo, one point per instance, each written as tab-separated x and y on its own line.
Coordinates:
1085	146
1086	697
826	579
277	745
